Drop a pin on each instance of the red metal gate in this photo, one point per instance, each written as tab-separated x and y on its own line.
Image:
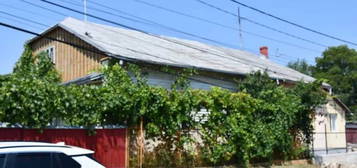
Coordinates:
109	144
351	135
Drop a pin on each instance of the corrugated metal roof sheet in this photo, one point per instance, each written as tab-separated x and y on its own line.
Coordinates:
176	52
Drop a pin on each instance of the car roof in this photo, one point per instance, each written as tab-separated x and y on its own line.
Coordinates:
24	147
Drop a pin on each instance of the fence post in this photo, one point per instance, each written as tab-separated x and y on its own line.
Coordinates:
127	148
312	144
346	140
141	143
326	139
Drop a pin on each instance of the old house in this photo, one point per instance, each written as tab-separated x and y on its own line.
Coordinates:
217	66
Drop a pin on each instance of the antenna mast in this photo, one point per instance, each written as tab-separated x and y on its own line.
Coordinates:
85	9
240	30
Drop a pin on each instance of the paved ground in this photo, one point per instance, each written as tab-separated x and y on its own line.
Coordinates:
296	166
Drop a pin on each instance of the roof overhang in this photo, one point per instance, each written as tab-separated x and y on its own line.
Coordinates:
42	34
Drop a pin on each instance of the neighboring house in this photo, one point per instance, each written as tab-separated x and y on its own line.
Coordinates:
217	66
329	128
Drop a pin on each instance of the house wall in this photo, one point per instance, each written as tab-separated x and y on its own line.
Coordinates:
332	139
165	80
71	62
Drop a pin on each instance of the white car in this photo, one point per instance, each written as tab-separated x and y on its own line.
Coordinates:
45	155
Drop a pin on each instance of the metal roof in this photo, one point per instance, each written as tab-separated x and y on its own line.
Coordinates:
171	51
85	79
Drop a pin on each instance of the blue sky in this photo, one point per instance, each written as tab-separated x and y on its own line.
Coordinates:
337	18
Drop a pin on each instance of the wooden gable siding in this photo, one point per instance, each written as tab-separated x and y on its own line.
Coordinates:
71	62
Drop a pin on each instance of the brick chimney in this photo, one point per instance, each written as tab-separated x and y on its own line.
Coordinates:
264	52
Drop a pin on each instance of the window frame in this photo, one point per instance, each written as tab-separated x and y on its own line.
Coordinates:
333	122
48	51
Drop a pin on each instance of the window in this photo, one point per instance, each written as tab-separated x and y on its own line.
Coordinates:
2	160
51	53
64	161
87	162
27	160
333	120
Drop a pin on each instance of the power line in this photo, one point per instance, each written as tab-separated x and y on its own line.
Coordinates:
166	39
216	23
21	22
218	8
106	12
280	41
167	48
180	13
150	22
260	24
287	34
28	20
22	10
47	9
294	24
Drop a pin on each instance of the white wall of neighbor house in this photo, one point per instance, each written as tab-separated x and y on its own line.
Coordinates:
331	116
165	80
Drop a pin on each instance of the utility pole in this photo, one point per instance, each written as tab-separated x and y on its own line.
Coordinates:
240	30
85	9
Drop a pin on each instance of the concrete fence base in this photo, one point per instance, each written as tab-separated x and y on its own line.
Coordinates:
349	158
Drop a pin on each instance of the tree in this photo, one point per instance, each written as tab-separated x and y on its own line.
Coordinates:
338	65
30	95
35	67
3	78
301	66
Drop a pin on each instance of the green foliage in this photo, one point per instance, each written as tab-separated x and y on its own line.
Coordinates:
35	67
311	97
25	64
3	78
227	133
301	66
256	123
339	66
261	125
29	96
28	102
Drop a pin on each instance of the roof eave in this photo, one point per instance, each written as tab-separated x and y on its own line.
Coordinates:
41	34
342	104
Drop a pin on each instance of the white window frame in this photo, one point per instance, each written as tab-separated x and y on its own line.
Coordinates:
333	122
53	56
